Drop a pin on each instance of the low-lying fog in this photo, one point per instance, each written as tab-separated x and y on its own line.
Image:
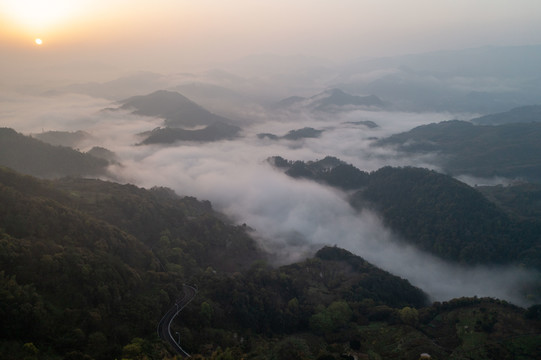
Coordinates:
291	218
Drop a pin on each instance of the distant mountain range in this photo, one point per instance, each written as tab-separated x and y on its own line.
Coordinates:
120	88
522	114
477	80
330	101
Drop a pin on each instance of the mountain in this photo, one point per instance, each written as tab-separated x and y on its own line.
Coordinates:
523	114
103	153
34	157
214	132
88	267
210	94
304	133
331	100
520	199
432	211
508	150
63	138
176	109
450	219
330	170
367	123
480	80
121	88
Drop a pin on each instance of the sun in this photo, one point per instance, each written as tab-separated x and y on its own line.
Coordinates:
38	41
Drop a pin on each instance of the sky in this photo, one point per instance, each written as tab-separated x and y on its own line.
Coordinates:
179	35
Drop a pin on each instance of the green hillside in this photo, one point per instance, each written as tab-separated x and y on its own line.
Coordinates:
34	157
88	268
432	211
508	150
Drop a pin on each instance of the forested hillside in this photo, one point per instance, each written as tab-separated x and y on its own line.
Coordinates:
433	211
34	157
88	265
508	150
87	269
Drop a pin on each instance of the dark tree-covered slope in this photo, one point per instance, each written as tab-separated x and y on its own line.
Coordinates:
88	268
449	218
163	220
281	300
87	265
34	157
329	170
509	150
522	199
433	211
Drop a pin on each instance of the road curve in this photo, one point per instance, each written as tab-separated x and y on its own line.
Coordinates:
164	326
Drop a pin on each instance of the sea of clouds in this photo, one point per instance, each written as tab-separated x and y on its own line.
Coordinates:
291	218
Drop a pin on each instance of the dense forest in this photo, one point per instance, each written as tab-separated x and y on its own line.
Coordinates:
433	211
509	150
88	267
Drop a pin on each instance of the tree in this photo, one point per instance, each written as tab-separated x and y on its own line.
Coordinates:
409	315
291	348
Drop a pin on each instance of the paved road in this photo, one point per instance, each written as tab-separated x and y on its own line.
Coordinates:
164	327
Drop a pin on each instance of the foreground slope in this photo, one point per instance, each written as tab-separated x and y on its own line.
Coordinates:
88	265
88	268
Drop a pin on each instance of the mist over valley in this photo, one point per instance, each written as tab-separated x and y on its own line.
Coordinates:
158	140
302	191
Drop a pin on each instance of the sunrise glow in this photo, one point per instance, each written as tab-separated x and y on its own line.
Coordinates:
35	14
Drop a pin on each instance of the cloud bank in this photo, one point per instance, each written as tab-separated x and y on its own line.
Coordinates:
291	218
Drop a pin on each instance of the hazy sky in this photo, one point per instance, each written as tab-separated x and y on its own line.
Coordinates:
173	35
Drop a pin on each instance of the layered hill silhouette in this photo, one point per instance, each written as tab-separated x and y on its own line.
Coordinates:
331	100
176	109
63	138
522	114
181	116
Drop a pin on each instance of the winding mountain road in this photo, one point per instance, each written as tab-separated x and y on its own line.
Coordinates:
164	327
